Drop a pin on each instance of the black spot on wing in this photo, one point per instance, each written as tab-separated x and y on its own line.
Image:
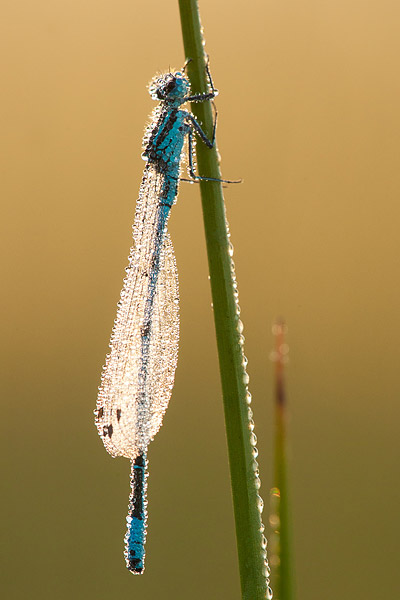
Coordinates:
108	430
118	414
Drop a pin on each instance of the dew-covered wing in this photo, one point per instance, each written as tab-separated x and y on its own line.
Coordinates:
130	405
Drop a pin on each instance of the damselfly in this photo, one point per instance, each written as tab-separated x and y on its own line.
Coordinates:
138	376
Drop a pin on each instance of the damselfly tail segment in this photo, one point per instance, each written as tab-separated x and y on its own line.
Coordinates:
135	536
138	376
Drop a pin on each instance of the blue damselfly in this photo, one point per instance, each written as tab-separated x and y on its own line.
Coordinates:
138	376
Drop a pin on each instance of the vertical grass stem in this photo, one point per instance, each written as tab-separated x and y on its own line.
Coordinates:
238	416
281	551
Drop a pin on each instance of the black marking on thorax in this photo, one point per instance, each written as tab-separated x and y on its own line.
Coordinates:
165	124
168	125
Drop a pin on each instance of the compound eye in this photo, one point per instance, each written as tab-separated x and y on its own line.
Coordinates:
169	86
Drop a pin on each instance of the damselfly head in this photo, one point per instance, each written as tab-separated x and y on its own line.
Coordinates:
169	87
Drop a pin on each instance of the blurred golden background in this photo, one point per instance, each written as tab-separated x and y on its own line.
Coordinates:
309	118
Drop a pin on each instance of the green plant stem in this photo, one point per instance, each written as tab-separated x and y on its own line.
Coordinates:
283	573
243	468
